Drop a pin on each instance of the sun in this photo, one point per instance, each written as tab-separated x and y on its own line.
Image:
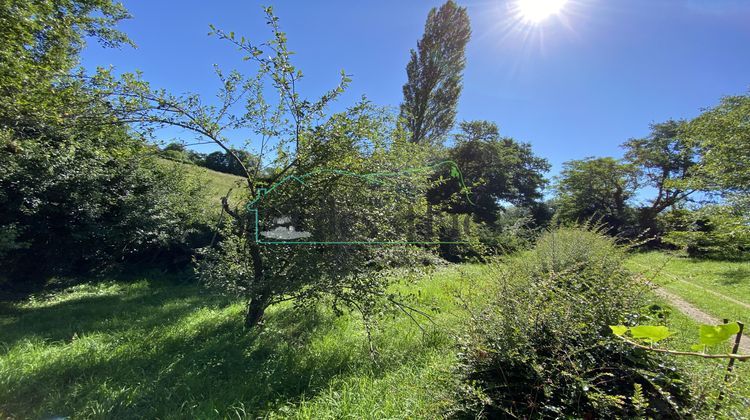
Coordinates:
535	11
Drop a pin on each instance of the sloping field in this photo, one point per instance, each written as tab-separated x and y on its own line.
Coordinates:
218	184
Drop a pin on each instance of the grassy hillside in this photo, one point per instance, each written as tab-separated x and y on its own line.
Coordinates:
218	184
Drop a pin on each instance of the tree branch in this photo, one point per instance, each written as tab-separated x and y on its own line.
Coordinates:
687	353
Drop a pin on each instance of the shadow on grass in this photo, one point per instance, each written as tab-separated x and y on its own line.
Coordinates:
108	314
735	276
167	353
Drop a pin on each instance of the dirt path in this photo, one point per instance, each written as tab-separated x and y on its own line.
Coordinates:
697	286
699	316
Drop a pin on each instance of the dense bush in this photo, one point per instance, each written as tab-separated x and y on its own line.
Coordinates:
72	202
543	348
77	189
513	231
716	231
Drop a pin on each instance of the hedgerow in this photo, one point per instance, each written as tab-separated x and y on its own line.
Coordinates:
543	347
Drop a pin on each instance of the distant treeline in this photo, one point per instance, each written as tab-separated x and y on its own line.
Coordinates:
216	161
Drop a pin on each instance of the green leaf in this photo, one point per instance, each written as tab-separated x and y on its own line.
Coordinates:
711	335
654	333
618	330
454	172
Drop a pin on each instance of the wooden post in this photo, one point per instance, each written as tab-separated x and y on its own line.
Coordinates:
730	365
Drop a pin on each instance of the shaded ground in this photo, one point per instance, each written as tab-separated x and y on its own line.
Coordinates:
155	349
150	349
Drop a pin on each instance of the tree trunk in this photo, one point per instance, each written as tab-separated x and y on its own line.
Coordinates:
258	303
256	307
261	294
647	222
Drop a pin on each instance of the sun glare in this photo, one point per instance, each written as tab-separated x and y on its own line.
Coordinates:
535	11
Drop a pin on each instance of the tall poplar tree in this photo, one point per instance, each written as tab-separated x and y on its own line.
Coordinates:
434	74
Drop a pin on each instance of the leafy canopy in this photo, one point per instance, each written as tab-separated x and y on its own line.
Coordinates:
434	74
595	188
495	169
722	137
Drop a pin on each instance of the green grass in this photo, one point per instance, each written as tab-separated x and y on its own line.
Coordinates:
217	184
714	287
160	349
718	288
706	376
151	348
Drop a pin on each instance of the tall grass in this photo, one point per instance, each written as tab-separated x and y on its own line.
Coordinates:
155	349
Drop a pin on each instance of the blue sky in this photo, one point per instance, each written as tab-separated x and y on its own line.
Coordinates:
576	85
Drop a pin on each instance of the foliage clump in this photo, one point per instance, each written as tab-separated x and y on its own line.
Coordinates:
434	74
543	347
714	231
78	190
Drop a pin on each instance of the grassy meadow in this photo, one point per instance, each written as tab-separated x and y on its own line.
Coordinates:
151	347
719	288
436	266
155	346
